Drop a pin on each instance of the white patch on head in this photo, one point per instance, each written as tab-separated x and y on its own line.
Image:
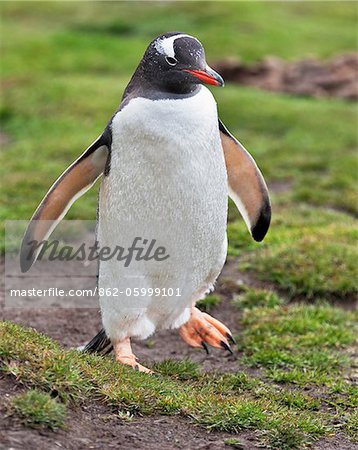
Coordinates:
166	45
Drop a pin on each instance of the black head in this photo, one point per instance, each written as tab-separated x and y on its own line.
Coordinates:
174	63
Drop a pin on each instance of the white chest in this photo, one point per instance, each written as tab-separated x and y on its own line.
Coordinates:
168	143
167	182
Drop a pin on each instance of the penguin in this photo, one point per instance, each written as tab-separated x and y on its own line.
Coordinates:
168	165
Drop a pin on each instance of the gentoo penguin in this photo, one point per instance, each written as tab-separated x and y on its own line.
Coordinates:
168	166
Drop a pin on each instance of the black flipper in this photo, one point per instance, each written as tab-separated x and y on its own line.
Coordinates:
99	344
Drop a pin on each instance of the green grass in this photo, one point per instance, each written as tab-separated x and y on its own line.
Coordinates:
293	141
308	252
235	443
284	438
183	370
37	409
276	134
62	83
208	303
250	29
64	67
252	298
351	425
306	341
298	343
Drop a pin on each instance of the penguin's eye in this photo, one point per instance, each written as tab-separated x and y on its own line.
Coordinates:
171	61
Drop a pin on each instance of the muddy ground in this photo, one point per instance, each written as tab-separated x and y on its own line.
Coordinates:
97	426
337	77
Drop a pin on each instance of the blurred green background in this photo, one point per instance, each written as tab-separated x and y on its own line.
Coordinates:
64	67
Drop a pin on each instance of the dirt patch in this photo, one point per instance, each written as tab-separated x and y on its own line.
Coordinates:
280	186
337	77
338	442
96	426
4	140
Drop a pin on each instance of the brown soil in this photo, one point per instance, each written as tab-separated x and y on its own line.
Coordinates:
337	77
97	426
4	140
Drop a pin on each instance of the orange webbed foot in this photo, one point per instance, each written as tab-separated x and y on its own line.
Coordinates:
202	330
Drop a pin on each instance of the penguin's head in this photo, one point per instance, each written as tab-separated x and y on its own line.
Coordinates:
175	62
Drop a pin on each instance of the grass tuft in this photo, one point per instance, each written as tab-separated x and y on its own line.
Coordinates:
285	438
208	303
183	370
37	409
235	443
296	400
351	425
252	298
234	416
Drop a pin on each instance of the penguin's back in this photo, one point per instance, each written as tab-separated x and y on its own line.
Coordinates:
167	182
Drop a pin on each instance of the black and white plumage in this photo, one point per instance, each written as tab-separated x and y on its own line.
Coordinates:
169	165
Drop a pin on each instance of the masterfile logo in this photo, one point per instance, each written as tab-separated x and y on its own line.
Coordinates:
141	249
62	271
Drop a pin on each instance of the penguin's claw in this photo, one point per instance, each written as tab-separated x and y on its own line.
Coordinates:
202	330
224	330
205	347
231	338
226	346
132	361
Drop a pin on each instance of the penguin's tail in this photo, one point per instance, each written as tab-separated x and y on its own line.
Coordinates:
99	344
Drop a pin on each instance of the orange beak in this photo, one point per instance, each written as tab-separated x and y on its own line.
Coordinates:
207	76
